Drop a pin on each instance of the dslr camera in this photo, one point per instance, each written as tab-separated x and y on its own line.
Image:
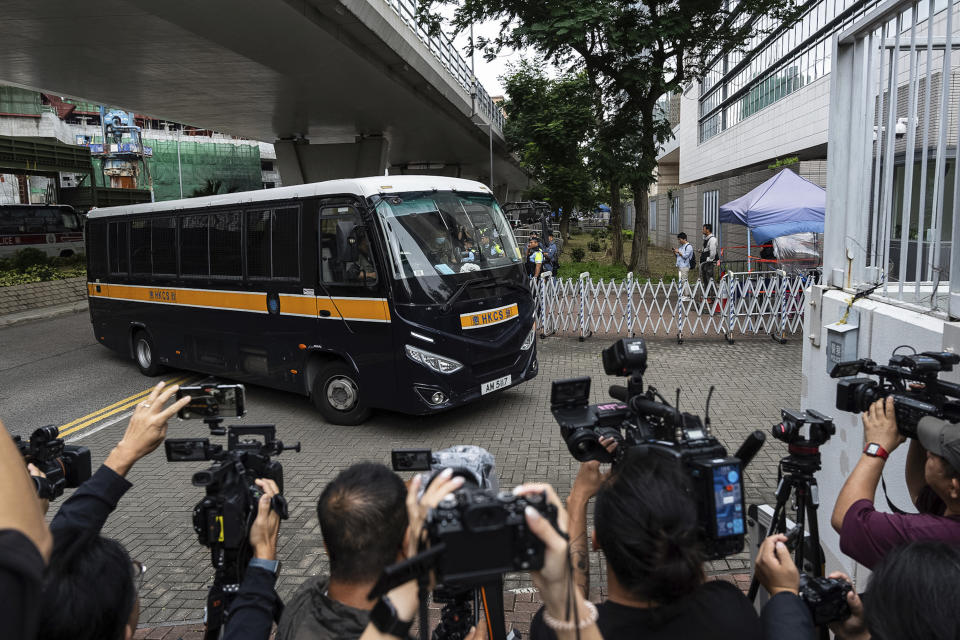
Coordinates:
481	532
913	382
223	517
65	466
825	597
642	421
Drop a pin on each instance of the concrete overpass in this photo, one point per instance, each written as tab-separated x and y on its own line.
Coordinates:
345	87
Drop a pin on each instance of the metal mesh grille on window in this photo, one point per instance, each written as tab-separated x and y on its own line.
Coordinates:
258	244
194	245
163	241
225	243
286	243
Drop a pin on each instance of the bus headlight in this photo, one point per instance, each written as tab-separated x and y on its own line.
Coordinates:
529	340
433	361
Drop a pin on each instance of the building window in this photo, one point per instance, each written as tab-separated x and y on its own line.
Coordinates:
653	215
675	215
711	211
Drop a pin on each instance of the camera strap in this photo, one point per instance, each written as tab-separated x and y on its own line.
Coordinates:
886	496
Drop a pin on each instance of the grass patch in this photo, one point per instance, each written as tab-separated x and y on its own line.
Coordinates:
32	265
661	263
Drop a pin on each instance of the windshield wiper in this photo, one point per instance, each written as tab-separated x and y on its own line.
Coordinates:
481	282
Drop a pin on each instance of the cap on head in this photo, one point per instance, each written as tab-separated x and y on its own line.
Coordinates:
942	438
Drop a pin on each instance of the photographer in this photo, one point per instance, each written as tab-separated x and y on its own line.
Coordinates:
866	535
25	543
570	614
364	522
647	528
784	616
90	587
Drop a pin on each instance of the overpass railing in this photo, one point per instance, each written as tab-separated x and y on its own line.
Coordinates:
443	49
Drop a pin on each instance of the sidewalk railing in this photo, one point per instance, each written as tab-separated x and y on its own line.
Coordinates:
739	304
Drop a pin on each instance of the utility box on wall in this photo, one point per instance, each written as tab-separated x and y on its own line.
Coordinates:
841	342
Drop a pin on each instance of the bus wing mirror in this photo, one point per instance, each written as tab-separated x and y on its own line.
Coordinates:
347	241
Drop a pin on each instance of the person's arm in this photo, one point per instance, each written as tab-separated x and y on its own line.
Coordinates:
257	605
585	486
20	508
914	470
785	616
91	504
855	626
879	426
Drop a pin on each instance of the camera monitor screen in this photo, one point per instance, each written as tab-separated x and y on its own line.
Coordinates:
573	392
728	500
211	401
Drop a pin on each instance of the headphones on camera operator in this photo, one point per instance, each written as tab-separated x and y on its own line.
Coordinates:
222	519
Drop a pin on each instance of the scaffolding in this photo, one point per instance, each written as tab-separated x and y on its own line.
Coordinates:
235	167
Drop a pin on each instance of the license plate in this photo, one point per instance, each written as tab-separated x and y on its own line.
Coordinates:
493	385
488	317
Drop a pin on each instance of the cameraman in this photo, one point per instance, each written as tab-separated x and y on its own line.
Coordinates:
363	520
571	615
25	543
646	525
933	478
89	591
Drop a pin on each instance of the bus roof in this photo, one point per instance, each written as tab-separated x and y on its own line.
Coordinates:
364	187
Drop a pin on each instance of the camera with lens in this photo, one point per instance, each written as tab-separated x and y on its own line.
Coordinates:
642	422
65	466
222	519
913	382
825	597
805	430
482	531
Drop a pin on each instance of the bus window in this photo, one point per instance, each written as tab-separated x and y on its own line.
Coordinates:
163	245
225	245
119	246
345	254
140	246
194	246
69	221
97	249
273	244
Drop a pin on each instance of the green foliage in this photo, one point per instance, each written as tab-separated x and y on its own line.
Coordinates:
597	270
548	122
595	247
784	162
32	265
28	257
211	188
628	235
38	273
578	254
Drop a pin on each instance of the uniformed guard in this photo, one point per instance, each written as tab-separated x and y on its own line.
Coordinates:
534	258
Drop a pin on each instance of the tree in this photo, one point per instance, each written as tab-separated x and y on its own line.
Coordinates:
548	123
635	52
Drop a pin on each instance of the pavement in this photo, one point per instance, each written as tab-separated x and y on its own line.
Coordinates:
52	371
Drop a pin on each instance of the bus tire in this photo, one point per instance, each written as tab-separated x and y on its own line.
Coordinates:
145	354
336	394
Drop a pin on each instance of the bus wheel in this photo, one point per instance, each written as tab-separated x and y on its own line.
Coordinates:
145	355
336	393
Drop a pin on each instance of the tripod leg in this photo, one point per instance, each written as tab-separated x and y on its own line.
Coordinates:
783	493
801	516
491	595
815	546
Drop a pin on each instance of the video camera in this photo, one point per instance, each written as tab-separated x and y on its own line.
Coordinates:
913	382
643	422
482	532
222	519
475	535
65	466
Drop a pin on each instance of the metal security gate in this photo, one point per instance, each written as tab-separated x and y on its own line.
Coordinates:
740	304
894	149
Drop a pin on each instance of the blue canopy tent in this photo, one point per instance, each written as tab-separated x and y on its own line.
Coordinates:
783	205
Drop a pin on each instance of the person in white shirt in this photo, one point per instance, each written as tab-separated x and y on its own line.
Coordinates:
708	259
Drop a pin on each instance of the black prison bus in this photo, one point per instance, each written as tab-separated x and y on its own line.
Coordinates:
403	292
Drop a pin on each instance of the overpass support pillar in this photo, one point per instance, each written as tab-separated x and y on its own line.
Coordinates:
301	162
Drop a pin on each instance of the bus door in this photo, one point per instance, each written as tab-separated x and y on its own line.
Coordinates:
352	309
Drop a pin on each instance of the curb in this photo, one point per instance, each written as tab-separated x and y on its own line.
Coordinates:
44	313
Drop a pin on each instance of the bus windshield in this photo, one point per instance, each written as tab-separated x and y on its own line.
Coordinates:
446	232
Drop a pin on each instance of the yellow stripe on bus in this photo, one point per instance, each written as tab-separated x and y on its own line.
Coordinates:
368	309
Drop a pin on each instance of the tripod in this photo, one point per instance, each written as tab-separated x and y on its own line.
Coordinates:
797	471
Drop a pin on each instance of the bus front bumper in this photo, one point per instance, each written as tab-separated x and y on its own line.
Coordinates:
435	393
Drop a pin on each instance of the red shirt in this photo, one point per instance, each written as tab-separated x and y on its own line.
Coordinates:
867	534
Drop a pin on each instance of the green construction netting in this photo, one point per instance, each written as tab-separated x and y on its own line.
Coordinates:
19	101
235	167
